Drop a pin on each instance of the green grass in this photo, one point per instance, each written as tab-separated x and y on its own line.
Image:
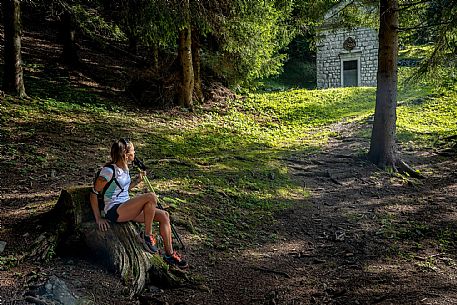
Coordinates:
427	111
426	120
225	165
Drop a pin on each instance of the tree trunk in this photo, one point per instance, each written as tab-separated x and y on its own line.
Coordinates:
120	248
185	57
155	57
133	44
70	48
196	65
13	78
382	146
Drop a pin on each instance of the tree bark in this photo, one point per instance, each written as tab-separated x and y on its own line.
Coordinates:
197	68
382	146
185	57
120	248
70	48
155	57
13	78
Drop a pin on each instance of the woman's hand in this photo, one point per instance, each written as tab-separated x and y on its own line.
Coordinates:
142	174
138	180
103	224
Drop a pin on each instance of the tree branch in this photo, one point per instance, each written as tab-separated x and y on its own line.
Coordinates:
409	5
423	26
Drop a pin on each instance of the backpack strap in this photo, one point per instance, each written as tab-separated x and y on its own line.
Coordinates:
113	178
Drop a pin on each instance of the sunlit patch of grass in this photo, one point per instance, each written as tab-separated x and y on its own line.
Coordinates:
229	166
428	119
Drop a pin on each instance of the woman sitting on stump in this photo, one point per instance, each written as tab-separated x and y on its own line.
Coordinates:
119	207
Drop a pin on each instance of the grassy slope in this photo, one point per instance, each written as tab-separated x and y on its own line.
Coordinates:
230	177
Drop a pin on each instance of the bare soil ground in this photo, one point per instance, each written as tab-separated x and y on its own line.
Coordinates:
363	236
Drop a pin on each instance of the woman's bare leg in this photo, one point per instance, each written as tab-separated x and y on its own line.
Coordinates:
165	228
143	204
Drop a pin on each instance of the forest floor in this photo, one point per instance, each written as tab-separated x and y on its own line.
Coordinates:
363	236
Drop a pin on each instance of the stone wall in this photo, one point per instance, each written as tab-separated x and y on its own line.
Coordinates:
331	53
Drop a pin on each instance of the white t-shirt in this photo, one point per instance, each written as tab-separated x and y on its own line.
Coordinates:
114	194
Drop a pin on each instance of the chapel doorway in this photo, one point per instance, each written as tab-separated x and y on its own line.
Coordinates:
350	73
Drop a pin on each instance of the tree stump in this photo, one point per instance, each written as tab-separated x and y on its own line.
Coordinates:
120	248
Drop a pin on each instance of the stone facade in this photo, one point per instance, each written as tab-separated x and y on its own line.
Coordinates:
347	57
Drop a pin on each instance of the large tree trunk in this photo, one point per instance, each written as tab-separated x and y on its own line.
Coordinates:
196	65
382	147
13	78
70	48
120	248
185	57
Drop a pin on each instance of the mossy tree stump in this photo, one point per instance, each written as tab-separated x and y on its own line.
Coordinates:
120	248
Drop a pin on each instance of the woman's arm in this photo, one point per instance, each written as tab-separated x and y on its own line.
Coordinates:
137	181
98	187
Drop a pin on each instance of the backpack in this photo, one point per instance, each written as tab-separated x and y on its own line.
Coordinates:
101	195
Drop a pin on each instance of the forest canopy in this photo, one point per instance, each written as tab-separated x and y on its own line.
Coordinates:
182	47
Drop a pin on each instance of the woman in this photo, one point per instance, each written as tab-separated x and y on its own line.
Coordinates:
119	207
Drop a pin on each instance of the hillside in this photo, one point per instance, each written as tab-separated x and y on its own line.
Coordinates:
270	191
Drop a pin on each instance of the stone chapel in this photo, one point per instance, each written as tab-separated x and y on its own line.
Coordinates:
346	57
